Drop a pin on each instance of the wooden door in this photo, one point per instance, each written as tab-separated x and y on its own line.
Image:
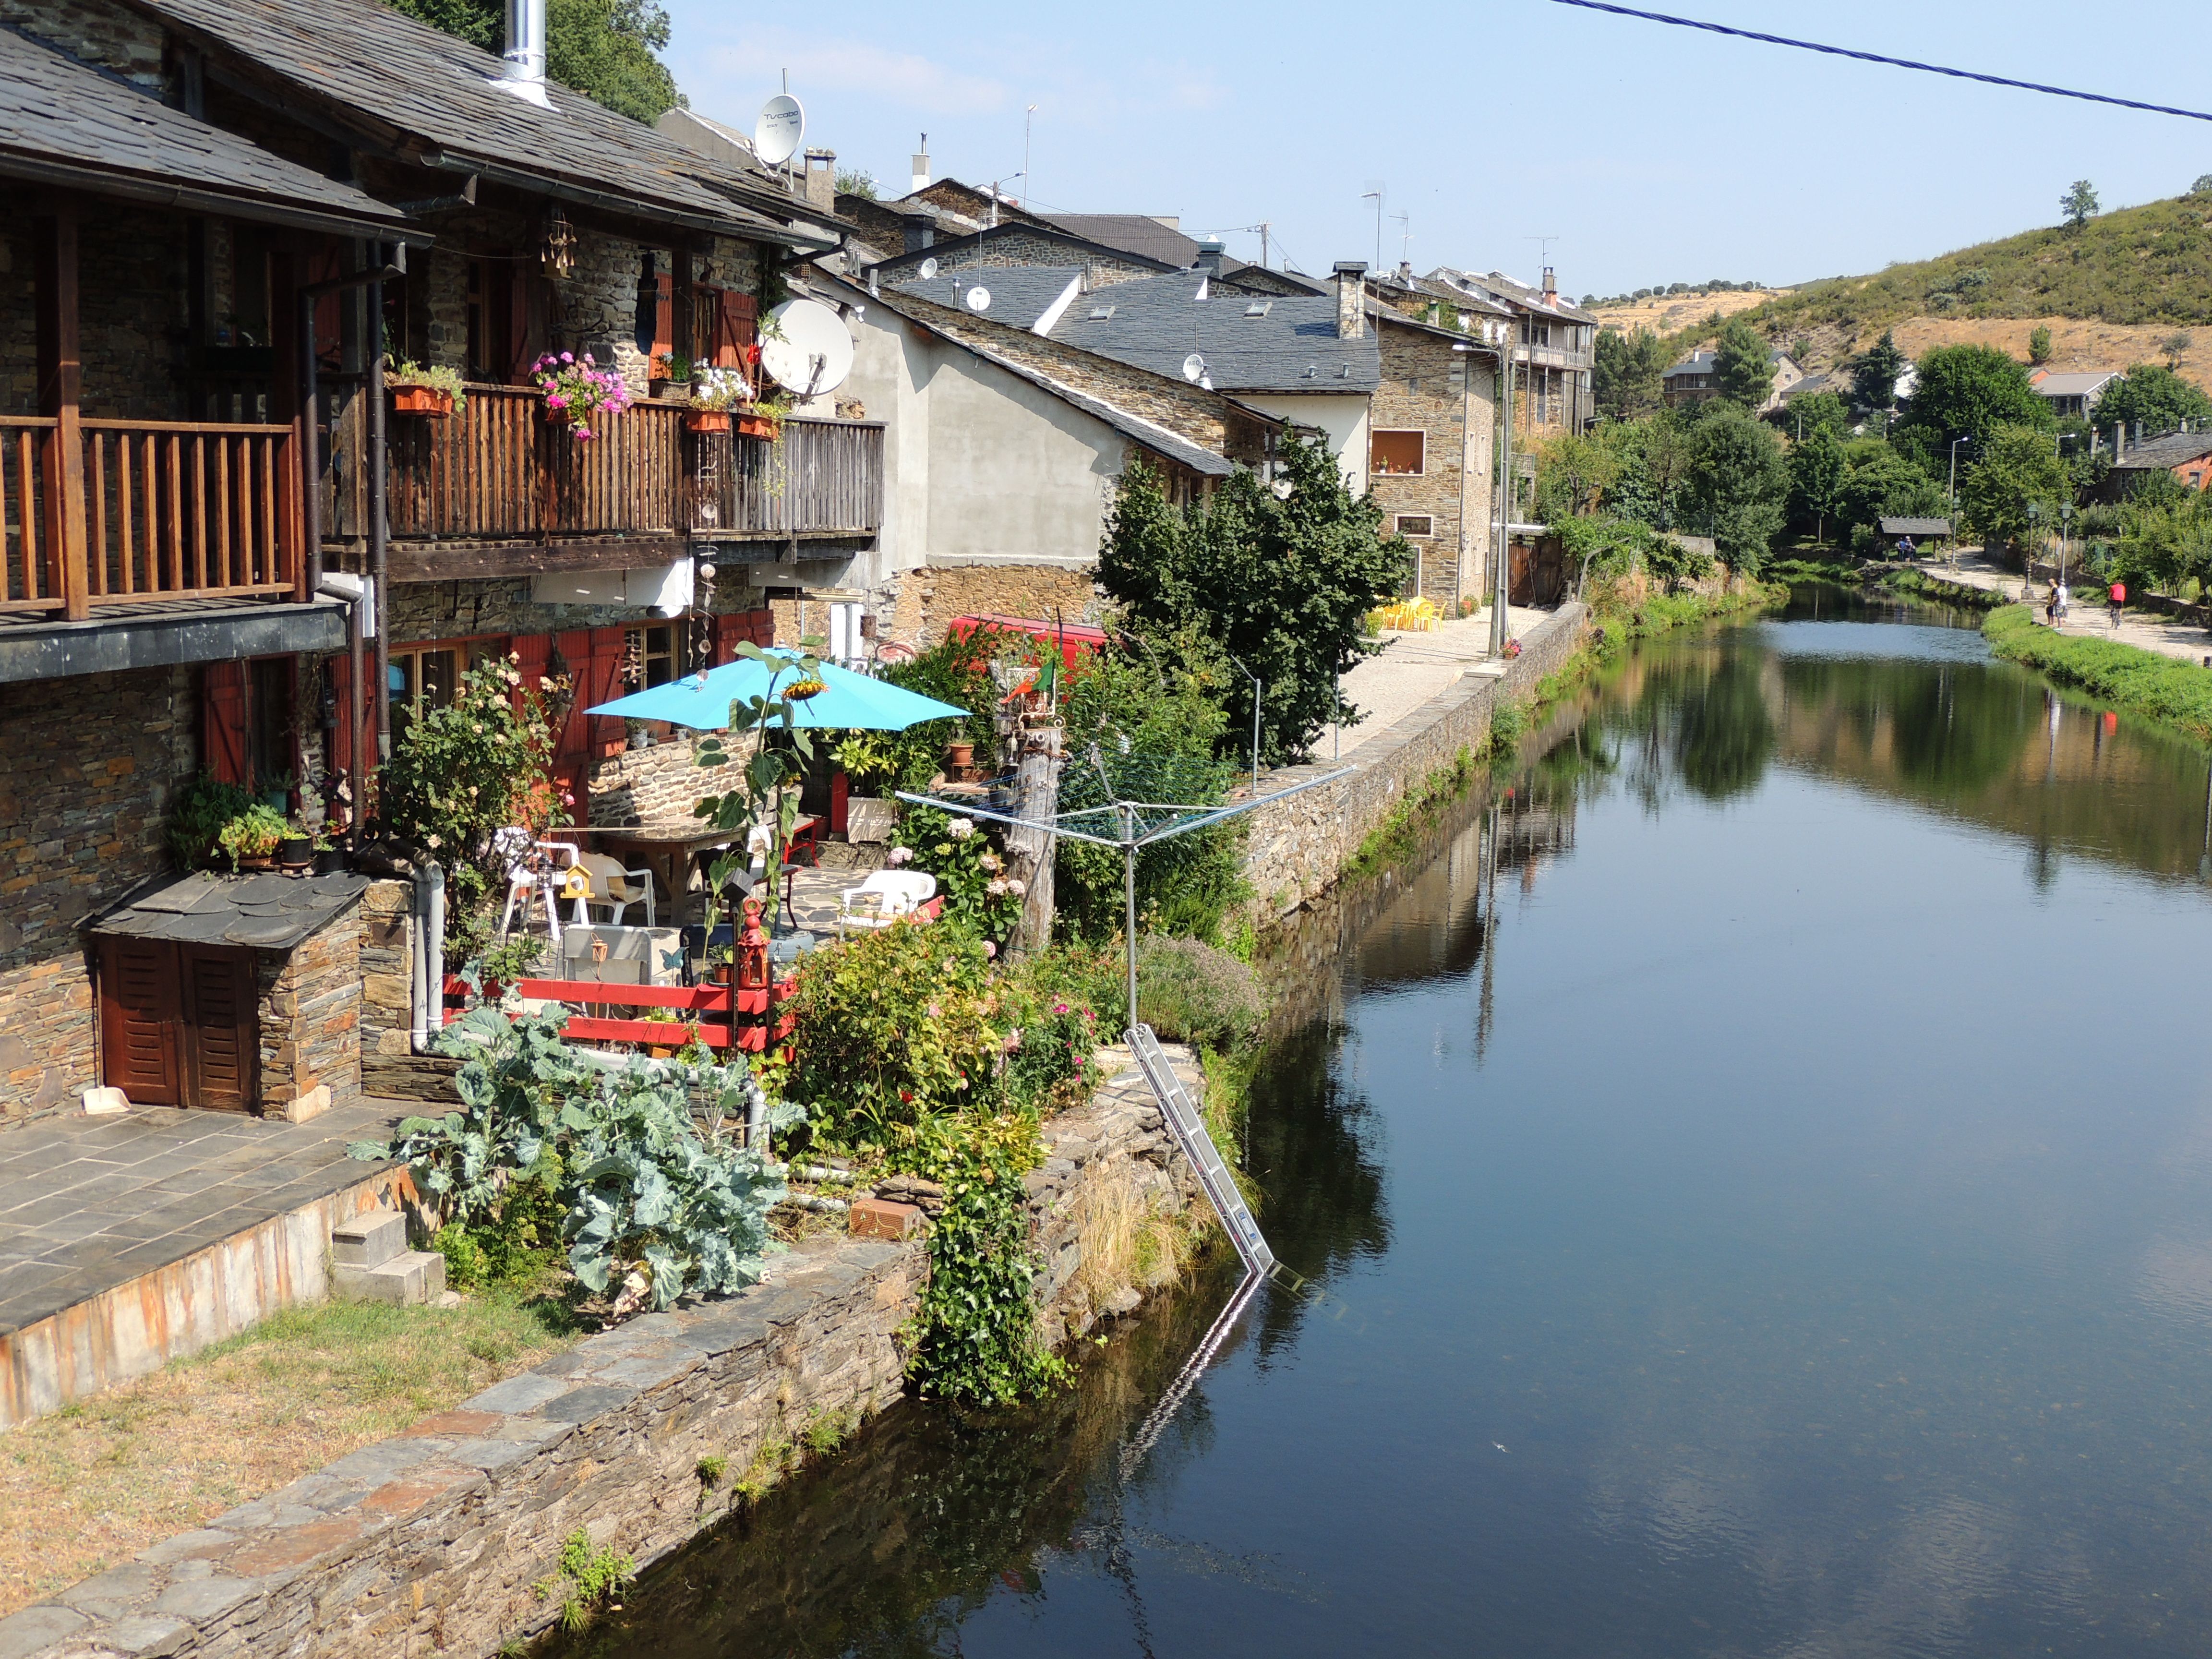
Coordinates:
140	1020
222	1036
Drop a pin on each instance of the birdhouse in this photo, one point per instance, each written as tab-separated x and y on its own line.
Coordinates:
576	884
752	954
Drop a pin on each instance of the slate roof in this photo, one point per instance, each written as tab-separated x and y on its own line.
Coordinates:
1158	321
2174	449
1075	246
1132	233
437	97
1513	290
1019	293
2075	385
1916	526
270	912
62	122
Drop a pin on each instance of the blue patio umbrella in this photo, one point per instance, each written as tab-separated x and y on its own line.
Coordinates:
703	702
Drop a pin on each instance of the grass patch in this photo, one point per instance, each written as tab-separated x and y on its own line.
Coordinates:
1401	826
89	1488
2139	682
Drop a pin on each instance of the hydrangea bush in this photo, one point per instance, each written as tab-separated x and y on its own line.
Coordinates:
971	873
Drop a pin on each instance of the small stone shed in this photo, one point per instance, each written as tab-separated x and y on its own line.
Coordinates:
234	993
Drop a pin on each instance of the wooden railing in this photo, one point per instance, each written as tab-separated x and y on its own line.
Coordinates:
496	467
145	512
819	477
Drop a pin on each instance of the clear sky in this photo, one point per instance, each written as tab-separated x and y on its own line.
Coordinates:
1653	155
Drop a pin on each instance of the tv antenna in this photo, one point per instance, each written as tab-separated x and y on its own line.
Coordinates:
1375	192
1543	248
1406	242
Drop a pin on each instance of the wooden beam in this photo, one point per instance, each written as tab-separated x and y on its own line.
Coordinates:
61	385
440	562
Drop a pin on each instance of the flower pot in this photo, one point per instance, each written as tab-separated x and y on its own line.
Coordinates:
295	851
330	861
758	426
707	420
961	754
640	739
669	391
719	973
258	861
421	400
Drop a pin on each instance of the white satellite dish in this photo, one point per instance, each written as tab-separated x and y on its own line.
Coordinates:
815	352
979	299
776	134
928	269
1194	367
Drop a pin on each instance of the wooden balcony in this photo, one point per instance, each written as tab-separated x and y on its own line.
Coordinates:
820	478
132	513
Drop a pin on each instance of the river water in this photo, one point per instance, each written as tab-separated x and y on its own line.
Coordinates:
1755	1178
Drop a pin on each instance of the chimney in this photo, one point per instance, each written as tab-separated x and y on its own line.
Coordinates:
1551	288
1351	299
921	227
1210	251
1405	273
522	67
822	179
921	164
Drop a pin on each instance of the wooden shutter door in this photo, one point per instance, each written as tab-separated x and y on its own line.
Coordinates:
222	720
737	325
140	1020
603	683
222	1040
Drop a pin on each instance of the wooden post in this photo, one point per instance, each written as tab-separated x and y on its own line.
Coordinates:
60	388
1037	798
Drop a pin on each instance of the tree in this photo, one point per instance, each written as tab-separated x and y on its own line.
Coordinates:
1625	378
1737	486
1885	484
1816	479
2038	345
1572	473
856	181
1806	414
2157	396
1874	374
2079	203
1652	456
1281	583
2174	346
1969	391
1743	366
604	49
2203	187
2018	469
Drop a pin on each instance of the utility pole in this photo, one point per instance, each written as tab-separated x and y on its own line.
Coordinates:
1501	555
1264	263
1028	184
1377	195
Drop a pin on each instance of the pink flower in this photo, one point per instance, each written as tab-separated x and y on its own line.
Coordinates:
555	400
989	949
567	357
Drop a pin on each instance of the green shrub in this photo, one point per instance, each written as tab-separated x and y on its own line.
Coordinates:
1052	1060
1192	992
206	804
971	872
2141	682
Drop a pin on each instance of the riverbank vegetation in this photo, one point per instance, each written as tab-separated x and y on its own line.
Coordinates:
2135	681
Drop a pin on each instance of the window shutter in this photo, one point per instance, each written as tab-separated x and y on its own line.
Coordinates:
737	325
222	1050
604	686
729	629
140	1015
222	721
664	315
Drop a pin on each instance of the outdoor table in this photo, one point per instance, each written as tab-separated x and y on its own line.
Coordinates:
669	849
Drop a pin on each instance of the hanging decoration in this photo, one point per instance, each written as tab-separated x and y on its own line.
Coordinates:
560	251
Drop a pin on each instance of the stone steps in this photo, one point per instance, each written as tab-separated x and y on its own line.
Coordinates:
370	1262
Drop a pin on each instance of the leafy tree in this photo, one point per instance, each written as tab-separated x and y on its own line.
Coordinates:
1816	411
1572	473
2038	345
1652	459
606	49
1737	487
1816	479
2174	346
856	181
1969	391
1283	585
2203	187
1882	483
1874	374
1743	366
2165	537
2018	469
2079	203
2157	396
1625	378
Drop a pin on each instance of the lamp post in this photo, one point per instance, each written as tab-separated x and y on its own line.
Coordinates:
2028	554
1257	687
1964	438
2065	528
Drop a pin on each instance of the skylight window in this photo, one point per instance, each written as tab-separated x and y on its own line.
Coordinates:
1258	308
1100	313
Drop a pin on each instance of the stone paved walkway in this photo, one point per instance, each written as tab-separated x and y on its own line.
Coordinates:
1412	668
89	1203
2091	616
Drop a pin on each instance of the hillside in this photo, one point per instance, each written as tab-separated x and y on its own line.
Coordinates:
1670	314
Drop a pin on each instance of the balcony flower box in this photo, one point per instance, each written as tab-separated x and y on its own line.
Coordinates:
759	425
434	391
707	420
421	400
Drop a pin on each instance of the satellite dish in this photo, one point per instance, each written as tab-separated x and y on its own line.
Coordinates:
777	133
928	269
1194	367
815	353
979	299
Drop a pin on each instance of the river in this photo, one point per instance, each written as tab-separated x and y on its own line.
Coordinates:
1754	1172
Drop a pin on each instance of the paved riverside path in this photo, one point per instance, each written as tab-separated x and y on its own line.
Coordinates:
1412	668
2090	615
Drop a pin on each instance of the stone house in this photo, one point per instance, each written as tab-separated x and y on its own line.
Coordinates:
1692	380
236	554
1555	349
1432	445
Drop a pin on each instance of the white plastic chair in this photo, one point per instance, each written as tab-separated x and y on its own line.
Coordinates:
531	866
613	888
885	898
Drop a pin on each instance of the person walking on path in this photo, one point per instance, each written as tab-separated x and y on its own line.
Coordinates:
2064	597
2119	600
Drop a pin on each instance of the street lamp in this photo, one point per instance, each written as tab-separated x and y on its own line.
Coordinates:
2035	511
1964	438
1502	538
2065	527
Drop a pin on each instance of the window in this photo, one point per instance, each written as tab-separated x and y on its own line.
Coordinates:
421	680
1397	454
489	309
653	656
1416	523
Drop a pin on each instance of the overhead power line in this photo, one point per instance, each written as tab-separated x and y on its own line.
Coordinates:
1877	58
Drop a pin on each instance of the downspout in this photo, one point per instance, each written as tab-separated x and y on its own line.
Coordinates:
430	1001
379	531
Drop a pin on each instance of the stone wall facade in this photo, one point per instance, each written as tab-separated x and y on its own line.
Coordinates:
1424	389
930	597
310	1011
1024	247
659	784
432	1541
89	767
1297	848
387	971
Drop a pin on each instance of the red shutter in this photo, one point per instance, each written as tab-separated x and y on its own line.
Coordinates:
140	1017
535	651
737	318
604	684
222	721
729	629
223	1050
664	315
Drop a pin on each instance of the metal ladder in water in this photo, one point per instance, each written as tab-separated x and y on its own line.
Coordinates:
1188	1127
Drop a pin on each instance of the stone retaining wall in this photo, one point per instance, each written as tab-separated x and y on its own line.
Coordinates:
1297	848
433	1541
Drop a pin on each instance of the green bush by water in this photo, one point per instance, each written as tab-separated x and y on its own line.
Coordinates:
2138	681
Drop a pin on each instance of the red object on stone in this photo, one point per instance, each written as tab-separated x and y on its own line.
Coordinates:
880	1218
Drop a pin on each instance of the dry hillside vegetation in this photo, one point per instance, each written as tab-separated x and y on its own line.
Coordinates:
1672	314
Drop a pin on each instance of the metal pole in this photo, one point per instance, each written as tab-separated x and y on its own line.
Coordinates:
1259	688
379	524
1502	553
311	470
1129	900
1466	443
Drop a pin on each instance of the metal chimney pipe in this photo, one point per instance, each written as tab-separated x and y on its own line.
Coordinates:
522	67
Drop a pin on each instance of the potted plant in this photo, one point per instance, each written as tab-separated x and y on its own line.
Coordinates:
277	792
719	968
251	838
295	851
960	751
435	391
715	393
330	853
663	1017
579	393
671	376
764	419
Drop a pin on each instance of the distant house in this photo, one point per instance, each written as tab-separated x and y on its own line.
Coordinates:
1691	381
2073	396
2187	455
1556	351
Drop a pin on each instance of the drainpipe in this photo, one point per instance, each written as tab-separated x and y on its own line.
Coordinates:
429	1002
379	531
